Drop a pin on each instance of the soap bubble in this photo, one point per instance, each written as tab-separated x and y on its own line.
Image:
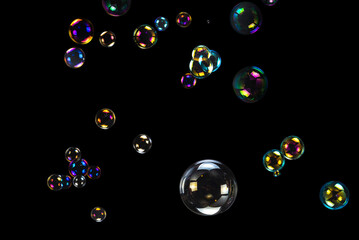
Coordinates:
79	181
142	143
188	81
72	154
201	69
81	31
116	8
215	59
246	18
94	172
208	187
55	182
273	161
201	52
74	57
292	147
269	2
145	36
78	168
334	195
105	118
107	39
98	214
67	181
183	19
161	23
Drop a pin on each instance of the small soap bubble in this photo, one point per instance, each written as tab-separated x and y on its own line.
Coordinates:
81	31
107	39
67	181
74	57
105	118
116	8
215	59
188	81
161	23
208	187
79	181
201	69
273	161
201	52
292	147
334	195
145	36
78	168
183	19
269	2
94	172
142	143
55	182
246	18
72	154
98	214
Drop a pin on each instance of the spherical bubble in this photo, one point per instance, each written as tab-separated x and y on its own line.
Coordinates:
161	23
94	172
208	187
74	57
55	182
292	147
81	31
79	181
188	81
105	118
273	161
145	36
215	59
116	8
201	52
246	18
98	214
201	69
334	195
142	143
72	154
183	19
269	2
250	84
78	168
67	181
107	39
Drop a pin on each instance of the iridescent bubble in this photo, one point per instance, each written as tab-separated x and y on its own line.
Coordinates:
292	147
215	59
161	23
105	118
201	69
201	52
208	187
72	154
107	39
246	18
78	168
116	8
55	182
98	214
145	36
250	84
273	161
81	31
334	195
94	172
183	19
188	81
269	2
74	57
79	181
67	181
142	143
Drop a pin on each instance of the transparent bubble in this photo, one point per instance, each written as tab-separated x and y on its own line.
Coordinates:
81	31
145	36
269	2
116	8
273	161
72	154
250	84
246	18
188	81
292	147
67	181
215	59
183	19
107	39
79	181
201	69
105	118
98	214
78	168
142	143
74	57
208	187
55	182
161	23
201	52
94	172
334	195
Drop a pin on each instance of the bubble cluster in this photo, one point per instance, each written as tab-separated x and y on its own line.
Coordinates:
246	18
81	31
105	118
107	39
142	143
183	19
74	57
116	8
334	195
145	36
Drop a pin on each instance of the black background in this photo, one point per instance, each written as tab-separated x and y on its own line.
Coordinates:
297	47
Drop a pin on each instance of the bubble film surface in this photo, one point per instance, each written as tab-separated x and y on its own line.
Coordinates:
292	147
201	69
334	195
98	214
107	39
145	36
74	57
183	19
161	23
81	31
188	81
78	168
215	59
201	52
246	18
142	143
105	118
250	84
273	161
116	8
208	187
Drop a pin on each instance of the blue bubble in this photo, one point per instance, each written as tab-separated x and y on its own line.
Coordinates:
161	23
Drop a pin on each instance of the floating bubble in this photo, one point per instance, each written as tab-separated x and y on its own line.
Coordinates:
67	181
201	52
145	36
292	147
105	118
94	172
107	39
183	19
250	84
188	81
142	143
78	168
273	161
55	182
79	181
208	187
269	2
81	31
246	18
74	57
201	69
215	59
72	154
98	214
334	195
161	23
116	8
